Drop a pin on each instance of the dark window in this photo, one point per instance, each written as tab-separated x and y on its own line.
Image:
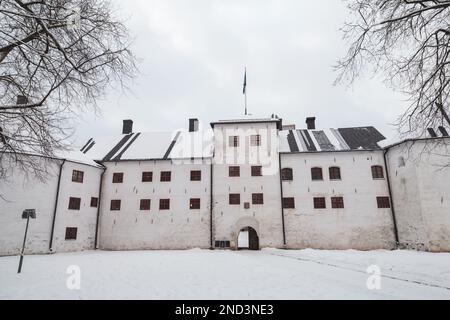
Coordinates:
94	202
71	233
77	176
166	176
74	203
145	204
234	141
222	244
235	199
316	174
335	173
196	176
384	202
257	198
118	177
287	174
255	140
256	171
337	203
377	172
234	171
194	204
147	176
115	205
246	205
288	203
164	204
320	203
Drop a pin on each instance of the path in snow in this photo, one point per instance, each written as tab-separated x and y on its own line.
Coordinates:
204	274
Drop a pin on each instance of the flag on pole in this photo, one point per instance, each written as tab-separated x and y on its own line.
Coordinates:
245	82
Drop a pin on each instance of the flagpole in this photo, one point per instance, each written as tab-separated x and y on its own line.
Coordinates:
246	112
245	91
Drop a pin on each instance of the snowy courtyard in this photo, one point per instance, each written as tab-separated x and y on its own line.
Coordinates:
203	274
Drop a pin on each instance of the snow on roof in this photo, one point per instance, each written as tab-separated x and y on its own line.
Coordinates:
198	145
151	146
344	139
77	156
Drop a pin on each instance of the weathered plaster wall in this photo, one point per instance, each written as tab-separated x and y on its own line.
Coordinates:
22	192
177	228
360	225
266	218
420	182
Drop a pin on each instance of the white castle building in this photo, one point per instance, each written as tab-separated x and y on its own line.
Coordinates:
250	183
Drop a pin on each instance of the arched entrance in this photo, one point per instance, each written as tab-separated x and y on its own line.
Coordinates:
248	239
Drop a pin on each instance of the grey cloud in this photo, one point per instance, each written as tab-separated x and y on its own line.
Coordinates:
193	56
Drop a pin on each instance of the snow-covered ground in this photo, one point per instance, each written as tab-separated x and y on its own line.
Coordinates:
203	274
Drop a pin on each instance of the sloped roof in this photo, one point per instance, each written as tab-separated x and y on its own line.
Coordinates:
151	146
197	145
344	139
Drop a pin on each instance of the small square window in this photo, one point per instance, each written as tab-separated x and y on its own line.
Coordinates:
256	171
234	171
196	175
320	203
288	203
383	202
115	205
257	198
235	199
234	141
164	204
287	174
77	176
71	233
74	203
337	203
118	177
147	176
335	173
255	140
316	174
194	204
377	172
145	205
166	176
94	202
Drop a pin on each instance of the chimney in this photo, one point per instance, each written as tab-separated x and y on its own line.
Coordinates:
311	123
127	127
432	132
193	125
22	99
443	131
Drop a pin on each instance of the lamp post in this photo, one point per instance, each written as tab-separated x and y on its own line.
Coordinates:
26	214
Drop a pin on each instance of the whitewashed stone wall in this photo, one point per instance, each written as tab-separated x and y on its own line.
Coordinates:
177	228
360	225
420	181
229	220
22	192
85	219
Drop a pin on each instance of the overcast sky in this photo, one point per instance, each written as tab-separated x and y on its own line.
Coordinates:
193	55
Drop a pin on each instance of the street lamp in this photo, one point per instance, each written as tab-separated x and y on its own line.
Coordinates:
26	214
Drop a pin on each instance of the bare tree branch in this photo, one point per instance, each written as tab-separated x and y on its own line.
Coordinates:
409	42
57	57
